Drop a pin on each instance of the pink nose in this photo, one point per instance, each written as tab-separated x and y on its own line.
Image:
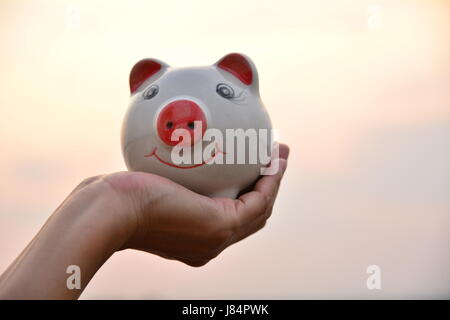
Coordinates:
180	114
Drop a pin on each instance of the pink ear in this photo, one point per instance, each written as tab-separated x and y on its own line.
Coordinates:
141	71
237	65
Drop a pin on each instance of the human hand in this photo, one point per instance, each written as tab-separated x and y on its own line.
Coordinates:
176	223
135	210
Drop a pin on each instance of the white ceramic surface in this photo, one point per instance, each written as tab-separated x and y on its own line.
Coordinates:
193	93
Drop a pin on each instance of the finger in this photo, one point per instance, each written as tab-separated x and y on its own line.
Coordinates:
268	185
254	204
283	151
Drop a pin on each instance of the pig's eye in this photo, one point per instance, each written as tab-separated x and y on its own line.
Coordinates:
150	92
225	91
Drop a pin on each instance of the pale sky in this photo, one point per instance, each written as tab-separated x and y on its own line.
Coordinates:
358	89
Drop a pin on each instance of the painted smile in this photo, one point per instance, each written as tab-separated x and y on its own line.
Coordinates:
153	153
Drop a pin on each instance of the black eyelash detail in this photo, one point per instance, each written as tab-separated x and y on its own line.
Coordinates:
225	91
150	92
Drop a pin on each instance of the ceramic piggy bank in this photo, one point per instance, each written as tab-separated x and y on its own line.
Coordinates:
202	127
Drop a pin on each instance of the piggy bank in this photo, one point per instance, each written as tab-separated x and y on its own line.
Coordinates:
202	127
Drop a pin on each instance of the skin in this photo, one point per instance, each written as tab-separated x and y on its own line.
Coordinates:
134	210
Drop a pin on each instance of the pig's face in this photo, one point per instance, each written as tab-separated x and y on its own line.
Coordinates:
163	99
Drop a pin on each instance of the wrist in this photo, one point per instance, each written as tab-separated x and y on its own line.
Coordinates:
100	214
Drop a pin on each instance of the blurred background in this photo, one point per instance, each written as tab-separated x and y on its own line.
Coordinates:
358	89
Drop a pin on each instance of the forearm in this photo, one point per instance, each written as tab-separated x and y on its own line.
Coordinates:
82	233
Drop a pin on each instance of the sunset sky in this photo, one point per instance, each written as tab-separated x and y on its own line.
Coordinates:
359	89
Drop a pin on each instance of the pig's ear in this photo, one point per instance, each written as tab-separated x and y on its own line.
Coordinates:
143	70
240	67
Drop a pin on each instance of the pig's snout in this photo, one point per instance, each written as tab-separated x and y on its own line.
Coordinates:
181	114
